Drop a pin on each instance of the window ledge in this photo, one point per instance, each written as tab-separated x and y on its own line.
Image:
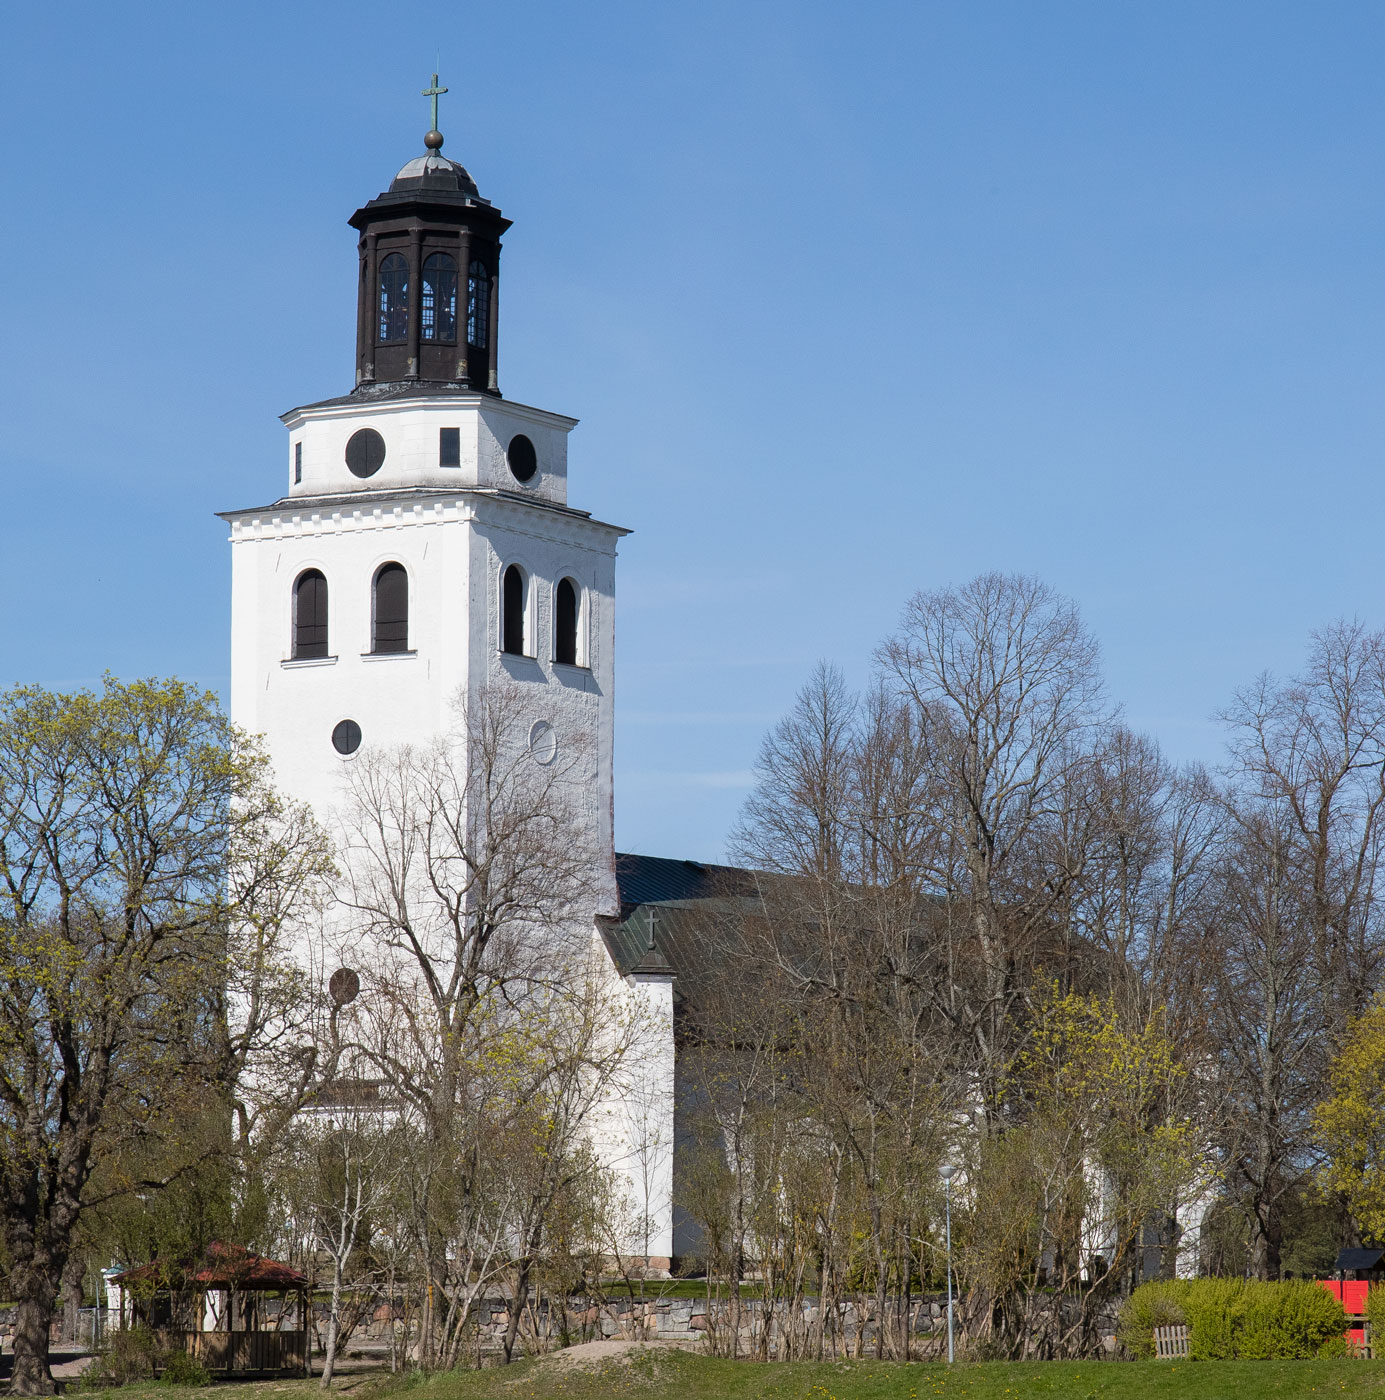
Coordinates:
388	655
296	663
572	666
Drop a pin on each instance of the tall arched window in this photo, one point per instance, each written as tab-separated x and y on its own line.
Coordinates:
439	298
310	616
390	632
394	298
478	304
512	611
565	623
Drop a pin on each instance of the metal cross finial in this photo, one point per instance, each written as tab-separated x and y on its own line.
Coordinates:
434	92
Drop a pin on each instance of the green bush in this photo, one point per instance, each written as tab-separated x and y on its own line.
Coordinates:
180	1368
130	1354
1149	1306
1236	1319
1375	1315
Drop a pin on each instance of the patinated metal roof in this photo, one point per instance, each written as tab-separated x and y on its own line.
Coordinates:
665	909
656	880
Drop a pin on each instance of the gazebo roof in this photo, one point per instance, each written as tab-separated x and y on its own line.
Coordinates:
221	1266
1358	1259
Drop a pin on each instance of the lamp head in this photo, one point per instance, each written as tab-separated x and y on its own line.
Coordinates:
947	1172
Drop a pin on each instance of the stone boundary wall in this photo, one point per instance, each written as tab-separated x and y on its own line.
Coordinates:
686	1321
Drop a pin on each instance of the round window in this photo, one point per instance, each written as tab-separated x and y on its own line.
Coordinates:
543	743
365	452
522	458
344	986
346	737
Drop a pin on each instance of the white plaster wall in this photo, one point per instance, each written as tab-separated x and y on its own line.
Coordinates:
395	699
454	532
454	547
410	427
1190	1217
632	1127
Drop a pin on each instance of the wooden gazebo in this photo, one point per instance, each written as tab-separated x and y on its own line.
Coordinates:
217	1309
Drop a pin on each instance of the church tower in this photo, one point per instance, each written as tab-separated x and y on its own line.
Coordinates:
423	547
423	543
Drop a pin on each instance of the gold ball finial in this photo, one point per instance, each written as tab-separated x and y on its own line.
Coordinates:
433	140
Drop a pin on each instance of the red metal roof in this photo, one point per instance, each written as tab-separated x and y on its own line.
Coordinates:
221	1266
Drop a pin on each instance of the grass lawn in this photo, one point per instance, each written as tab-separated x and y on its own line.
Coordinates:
680	1376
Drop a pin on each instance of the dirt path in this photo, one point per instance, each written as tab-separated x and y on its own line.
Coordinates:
612	1349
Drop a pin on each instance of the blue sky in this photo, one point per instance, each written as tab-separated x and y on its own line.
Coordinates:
852	300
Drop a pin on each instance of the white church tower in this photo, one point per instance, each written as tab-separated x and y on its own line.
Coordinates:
423	544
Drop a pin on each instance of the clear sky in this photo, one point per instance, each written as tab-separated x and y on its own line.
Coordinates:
852	299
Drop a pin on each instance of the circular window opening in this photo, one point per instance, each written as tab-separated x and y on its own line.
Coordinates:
344	986
346	737
365	452
523	460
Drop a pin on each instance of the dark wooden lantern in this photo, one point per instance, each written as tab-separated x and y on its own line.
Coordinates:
429	286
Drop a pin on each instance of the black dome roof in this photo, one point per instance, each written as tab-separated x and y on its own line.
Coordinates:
433	172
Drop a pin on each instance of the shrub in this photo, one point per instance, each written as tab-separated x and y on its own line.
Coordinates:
1214	1308
1149	1306
131	1354
1232	1319
181	1368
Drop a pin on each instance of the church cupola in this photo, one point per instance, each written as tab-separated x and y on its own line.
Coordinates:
428	299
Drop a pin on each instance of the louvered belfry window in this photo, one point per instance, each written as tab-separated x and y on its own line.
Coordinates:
391	631
439	298
565	623
310	616
394	298
478	304
512	611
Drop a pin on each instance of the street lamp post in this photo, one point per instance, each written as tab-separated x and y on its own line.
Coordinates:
947	1173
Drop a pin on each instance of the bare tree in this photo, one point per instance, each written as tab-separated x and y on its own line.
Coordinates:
1268	1020
797	818
1315	747
339	1167
1003	681
486	1010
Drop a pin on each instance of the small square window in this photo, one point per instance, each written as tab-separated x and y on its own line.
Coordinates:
297	463
449	447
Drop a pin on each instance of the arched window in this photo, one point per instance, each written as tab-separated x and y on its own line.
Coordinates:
512	611
394	298
391	629
478	304
565	623
310	616
439	298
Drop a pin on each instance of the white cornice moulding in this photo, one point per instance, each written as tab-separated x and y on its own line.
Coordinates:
451	403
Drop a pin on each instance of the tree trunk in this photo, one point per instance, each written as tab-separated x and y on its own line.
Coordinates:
32	1319
72	1297
517	1302
333	1322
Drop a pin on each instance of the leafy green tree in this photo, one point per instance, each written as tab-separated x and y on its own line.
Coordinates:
1350	1123
1055	1210
135	826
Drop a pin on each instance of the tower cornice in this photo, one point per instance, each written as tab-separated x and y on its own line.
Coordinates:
407	505
360	403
